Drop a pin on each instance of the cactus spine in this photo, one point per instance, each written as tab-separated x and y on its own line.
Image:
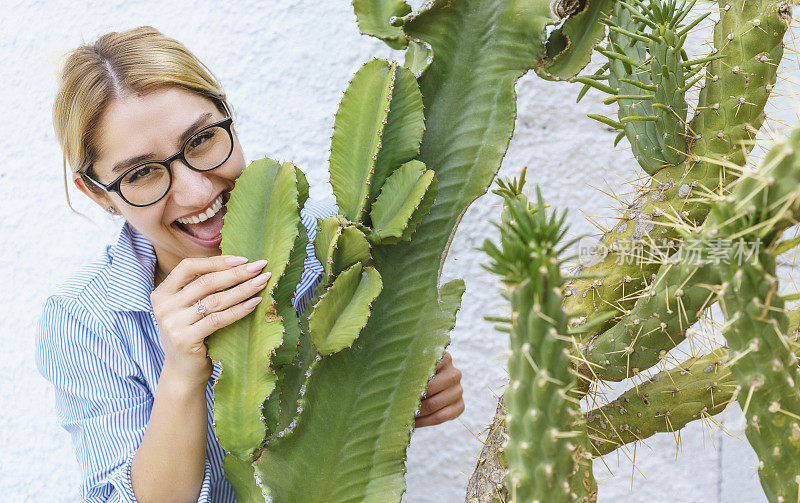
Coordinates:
761	367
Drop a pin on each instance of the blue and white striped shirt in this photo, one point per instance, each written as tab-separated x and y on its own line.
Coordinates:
98	344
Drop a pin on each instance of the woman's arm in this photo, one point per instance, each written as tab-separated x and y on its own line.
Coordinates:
169	464
170	461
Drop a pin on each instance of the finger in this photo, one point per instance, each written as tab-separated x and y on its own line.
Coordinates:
440	400
207	284
452	411
219	301
189	268
216	320
444	361
446	378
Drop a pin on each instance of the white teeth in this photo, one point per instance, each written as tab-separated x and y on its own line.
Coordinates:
202	217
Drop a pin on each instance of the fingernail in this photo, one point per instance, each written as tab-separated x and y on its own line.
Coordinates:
236	260
251	303
261	279
256	266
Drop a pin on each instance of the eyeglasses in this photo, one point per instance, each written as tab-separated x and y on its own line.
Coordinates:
148	182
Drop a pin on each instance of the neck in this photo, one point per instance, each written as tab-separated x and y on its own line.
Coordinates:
165	263
159	275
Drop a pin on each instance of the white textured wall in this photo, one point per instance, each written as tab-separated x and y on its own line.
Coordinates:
285	66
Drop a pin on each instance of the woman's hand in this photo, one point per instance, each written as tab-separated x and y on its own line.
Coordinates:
224	286
443	399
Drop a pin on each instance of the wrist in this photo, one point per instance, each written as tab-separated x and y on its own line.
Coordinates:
181	380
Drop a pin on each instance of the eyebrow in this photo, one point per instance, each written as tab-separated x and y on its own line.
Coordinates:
123	165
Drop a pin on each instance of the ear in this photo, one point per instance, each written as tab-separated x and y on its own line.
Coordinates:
101	199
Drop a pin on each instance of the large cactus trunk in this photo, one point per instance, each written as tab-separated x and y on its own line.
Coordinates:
354	429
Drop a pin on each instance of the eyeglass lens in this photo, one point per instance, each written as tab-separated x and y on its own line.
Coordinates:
204	151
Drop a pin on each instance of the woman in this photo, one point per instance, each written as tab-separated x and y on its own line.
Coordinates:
147	132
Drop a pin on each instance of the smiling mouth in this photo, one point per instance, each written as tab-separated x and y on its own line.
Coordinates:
206	226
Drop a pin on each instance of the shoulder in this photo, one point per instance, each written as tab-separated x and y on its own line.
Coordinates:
71	338
76	320
85	290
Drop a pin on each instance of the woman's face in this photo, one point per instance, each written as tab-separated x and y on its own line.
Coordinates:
154	126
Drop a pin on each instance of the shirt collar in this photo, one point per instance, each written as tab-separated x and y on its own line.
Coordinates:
131	268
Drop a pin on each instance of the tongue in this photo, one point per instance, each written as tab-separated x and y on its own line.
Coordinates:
209	229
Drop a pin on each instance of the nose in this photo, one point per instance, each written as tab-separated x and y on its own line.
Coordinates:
189	187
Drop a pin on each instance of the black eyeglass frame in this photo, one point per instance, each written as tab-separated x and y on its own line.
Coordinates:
114	186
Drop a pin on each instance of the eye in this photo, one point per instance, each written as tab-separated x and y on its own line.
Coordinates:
139	173
144	173
201	138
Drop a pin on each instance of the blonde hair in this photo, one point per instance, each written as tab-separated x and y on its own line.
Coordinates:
136	61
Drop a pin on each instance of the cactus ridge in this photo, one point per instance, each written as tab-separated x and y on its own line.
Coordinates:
352	248
647	76
402	135
328	232
645	110
241	475
405	198
356	142
283	293
545	462
669	68
342	311
275	407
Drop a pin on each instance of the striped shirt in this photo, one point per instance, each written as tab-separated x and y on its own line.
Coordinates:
98	344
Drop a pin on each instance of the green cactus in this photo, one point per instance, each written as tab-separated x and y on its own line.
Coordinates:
374	19
333	393
738	80
401	185
668	401
406	196
548	449
762	351
464	141
765	364
767	373
647	70
633	312
343	309
269	196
